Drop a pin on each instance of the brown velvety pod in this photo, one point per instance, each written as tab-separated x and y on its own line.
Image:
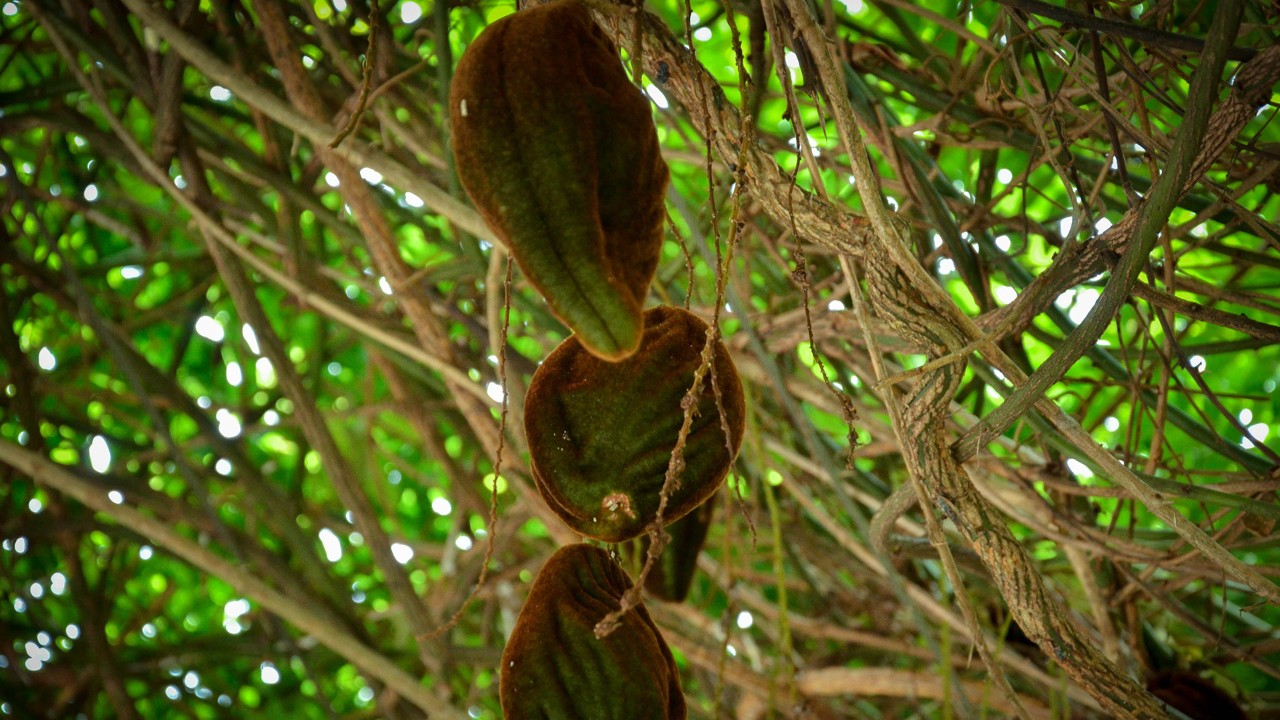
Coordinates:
554	667
601	433
672	575
558	151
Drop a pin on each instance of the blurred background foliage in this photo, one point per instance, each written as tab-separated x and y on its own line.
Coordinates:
252	389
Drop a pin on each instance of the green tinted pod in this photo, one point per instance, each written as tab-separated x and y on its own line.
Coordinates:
555	668
601	433
559	153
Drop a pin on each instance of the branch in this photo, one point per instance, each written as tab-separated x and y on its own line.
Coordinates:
1151	217
1150	36
320	134
54	477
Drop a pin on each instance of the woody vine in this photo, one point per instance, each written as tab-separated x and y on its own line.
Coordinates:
281	400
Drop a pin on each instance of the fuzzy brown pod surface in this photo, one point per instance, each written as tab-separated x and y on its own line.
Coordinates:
559	153
601	433
555	667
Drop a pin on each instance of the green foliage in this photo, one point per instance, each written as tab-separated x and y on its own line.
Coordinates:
292	355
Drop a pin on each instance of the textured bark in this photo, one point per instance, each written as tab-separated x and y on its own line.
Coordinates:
1080	261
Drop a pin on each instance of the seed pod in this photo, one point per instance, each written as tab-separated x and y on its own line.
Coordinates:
558	151
555	667
601	434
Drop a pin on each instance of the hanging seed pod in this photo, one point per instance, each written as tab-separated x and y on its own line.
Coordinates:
558	151
555	667
601	434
